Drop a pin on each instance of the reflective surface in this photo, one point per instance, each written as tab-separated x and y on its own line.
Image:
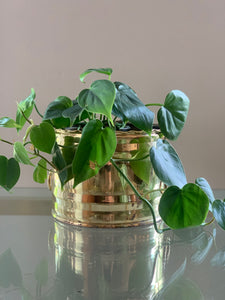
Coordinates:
107	200
44	259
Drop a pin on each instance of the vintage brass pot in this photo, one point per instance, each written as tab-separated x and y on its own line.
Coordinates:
106	200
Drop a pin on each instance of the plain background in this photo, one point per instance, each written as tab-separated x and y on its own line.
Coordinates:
153	46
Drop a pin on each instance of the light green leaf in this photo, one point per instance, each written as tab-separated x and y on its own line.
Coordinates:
107	71
26	106
204	185
173	114
9	172
218	210
167	165
99	98
180	208
96	147
43	137
40	172
128	107
10	272
8	122
20	153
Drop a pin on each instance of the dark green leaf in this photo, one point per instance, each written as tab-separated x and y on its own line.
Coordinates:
55	111
9	172
41	272
167	165
180	208
7	122
40	171
204	185
173	114
43	137
128	107
10	272
60	164
25	107
72	112
107	71
20	153
95	149
218	210
99	98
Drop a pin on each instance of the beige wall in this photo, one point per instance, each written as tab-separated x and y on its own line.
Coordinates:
154	46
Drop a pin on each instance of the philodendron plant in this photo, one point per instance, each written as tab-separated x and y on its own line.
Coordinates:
98	111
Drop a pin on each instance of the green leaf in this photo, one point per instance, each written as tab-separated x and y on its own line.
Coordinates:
20	153
180	208
218	210
40	171
72	112
9	172
107	71
41	272
204	185
43	137
59	162
128	107
96	147
99	98
8	122
55	111
167	165
26	106
10	272
173	114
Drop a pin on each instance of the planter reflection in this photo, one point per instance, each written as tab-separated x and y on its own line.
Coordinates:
94	263
107	200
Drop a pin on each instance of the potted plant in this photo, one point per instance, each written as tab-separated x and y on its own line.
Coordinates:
97	115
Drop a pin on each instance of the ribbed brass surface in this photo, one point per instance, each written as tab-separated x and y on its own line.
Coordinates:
106	200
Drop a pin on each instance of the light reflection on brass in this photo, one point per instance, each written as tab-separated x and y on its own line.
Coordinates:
107	200
107	263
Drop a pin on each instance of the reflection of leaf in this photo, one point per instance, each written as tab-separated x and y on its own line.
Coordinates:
10	272
41	272
218	259
199	256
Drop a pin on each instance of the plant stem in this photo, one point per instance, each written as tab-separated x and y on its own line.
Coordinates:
35	106
154	104
41	156
142	198
7	142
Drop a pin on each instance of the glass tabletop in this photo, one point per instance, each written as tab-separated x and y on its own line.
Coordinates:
44	259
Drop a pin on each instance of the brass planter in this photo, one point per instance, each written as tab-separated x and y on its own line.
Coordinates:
106	200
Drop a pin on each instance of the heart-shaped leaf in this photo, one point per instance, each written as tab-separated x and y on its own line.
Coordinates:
8	122
10	272
107	71
218	210
55	111
204	185
72	112
128	107
20	153
40	171
167	165
9	172
99	98
96	147
43	137
25	108
180	208
172	115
